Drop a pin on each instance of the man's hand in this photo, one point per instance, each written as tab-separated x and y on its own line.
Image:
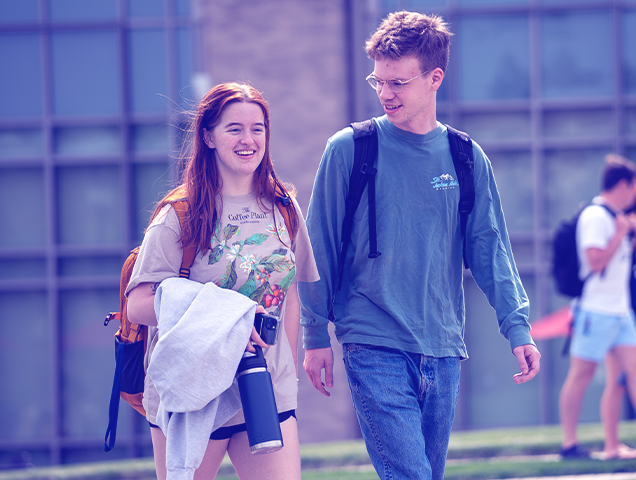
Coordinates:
528	357
315	361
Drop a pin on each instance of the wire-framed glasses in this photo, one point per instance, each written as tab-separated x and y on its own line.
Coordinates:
394	84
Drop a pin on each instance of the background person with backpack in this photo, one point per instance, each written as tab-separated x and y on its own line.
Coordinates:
399	313
244	244
614	391
603	317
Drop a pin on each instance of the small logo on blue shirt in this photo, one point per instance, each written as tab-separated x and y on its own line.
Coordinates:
444	182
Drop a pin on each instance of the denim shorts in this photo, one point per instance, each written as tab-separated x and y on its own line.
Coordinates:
595	334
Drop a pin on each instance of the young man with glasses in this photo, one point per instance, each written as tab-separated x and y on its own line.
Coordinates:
400	316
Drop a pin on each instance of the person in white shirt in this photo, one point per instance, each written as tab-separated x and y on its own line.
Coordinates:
603	318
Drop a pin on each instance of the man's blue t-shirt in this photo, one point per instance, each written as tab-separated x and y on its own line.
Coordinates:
410	297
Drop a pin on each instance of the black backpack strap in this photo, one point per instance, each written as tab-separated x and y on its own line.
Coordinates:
611	212
113	408
461	147
366	151
373	234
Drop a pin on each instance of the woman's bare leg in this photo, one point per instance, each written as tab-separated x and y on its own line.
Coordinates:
285	463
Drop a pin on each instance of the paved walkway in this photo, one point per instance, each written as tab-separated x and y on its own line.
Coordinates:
552	458
596	476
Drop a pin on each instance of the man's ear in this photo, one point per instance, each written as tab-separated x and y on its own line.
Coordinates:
437	77
207	138
625	184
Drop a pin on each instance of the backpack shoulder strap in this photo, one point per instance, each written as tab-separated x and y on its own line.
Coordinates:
366	151
190	252
284	203
461	147
611	212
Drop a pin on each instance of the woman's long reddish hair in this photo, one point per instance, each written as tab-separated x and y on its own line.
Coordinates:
201	181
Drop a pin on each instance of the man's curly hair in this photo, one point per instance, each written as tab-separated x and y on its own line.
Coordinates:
401	34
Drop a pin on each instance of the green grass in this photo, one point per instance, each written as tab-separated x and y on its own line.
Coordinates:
528	441
474	455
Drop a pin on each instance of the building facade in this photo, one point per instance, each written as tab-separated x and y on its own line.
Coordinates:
93	102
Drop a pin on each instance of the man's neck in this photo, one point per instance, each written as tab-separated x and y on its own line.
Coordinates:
421	128
611	201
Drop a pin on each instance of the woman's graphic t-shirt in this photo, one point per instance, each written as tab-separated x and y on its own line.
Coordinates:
246	255
253	261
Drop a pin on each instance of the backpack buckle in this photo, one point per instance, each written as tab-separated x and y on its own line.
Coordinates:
465	206
111	316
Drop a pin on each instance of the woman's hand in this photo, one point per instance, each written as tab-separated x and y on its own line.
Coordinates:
255	337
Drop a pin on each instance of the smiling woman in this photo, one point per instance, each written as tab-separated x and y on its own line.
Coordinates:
243	244
239	142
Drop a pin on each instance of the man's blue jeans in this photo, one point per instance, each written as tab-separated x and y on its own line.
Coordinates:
405	404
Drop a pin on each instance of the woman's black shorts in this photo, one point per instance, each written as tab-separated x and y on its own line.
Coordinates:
224	433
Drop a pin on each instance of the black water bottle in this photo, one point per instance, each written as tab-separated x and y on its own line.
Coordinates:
259	404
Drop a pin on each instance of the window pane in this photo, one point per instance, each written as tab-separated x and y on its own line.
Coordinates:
494	55
88	362
630	121
568	1
578	123
443	117
20	88
152	181
572	177
85	73
513	174
22	268
492	2
393	5
151	138
89	205
88	140
523	252
25	409
82	9
574	62
497	126
187	93
493	402
146	8
442	93
629	53
183	7
22	198
24	142
22	11
148	71
89	266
